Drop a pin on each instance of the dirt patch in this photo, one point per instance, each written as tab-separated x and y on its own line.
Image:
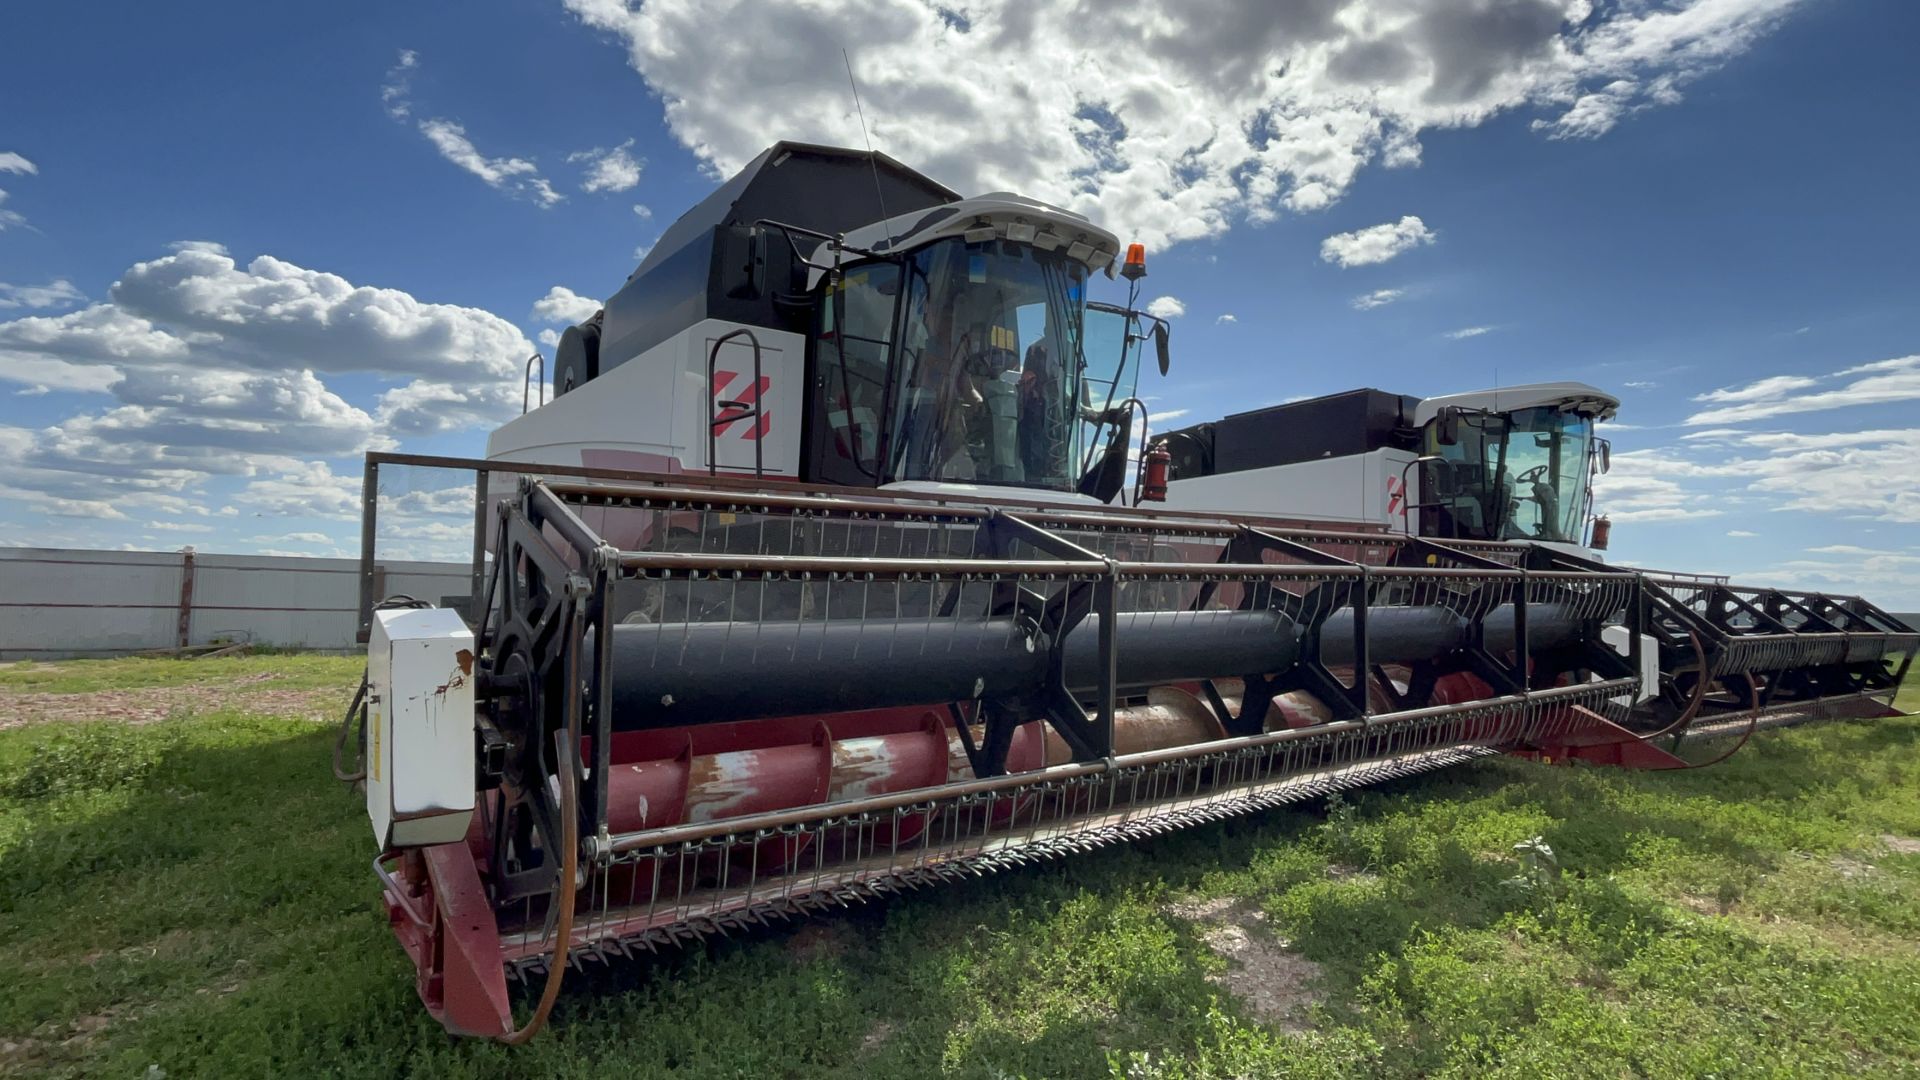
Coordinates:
876	1035
816	941
1343	873
1901	845
1274	984
145	705
1850	869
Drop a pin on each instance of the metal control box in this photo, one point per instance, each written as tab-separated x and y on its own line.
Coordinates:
420	739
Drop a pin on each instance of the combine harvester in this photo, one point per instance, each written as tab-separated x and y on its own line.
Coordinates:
810	585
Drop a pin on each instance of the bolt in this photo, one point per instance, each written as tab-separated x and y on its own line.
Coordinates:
666	700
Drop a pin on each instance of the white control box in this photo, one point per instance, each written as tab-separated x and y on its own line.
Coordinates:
420	727
1622	641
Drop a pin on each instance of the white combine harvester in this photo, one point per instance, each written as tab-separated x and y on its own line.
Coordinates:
811	585
1513	464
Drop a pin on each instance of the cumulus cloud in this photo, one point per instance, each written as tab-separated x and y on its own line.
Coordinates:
1897	379
1377	243
563	305
1377	298
56	293
1225	320
1166	307
608	169
1165	121
214	368
1833	475
515	176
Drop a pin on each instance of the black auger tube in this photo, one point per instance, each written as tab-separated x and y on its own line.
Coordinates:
712	672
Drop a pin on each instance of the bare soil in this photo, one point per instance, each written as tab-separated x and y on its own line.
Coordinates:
1275	984
254	693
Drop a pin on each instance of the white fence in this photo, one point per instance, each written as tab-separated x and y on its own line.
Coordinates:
57	603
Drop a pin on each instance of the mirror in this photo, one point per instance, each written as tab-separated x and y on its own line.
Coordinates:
743	262
1446	430
1606	455
1160	345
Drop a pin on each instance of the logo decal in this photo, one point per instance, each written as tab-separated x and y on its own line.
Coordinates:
737	408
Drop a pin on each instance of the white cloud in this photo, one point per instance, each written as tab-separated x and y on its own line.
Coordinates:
1897	379
1741	534
1166	307
515	176
56	293
1225	320
215	369
34	390
1376	243
563	305
1468	332
304	489
1772	387
608	169
1640	384
641	211
397	92
1835	475
1163	417
1377	298
549	337
12	162
1663	513
1164	121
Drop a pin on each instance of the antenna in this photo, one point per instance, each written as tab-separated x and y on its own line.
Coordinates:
871	162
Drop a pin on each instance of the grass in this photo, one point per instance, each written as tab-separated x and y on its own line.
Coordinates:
191	897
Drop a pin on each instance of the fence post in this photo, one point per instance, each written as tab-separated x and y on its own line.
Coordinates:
186	596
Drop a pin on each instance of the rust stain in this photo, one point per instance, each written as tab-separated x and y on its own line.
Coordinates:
465	659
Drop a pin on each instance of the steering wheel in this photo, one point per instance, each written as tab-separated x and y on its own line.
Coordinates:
1532	475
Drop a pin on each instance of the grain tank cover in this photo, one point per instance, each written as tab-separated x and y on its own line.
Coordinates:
684	279
824	188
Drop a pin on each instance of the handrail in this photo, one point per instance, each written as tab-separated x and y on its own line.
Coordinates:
752	411
543	380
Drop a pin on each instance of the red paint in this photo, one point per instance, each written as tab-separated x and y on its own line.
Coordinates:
748	398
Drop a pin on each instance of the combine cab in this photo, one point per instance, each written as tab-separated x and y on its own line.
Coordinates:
810	586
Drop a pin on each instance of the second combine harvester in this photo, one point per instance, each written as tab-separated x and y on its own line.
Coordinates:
808	586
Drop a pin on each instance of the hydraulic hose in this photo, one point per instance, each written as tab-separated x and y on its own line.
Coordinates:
346	728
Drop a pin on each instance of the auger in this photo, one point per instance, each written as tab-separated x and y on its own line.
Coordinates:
815	583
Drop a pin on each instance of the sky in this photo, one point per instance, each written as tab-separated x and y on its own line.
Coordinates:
242	245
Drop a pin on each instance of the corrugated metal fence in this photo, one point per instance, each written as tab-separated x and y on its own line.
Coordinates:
57	602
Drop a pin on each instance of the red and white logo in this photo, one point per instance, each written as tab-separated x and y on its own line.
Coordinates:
728	410
1396	497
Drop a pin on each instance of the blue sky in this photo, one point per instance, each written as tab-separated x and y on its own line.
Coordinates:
323	246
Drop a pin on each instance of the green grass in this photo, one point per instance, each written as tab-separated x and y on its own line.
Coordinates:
292	671
194	895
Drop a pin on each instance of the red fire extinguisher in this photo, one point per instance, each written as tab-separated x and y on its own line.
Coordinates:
1153	474
1602	532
